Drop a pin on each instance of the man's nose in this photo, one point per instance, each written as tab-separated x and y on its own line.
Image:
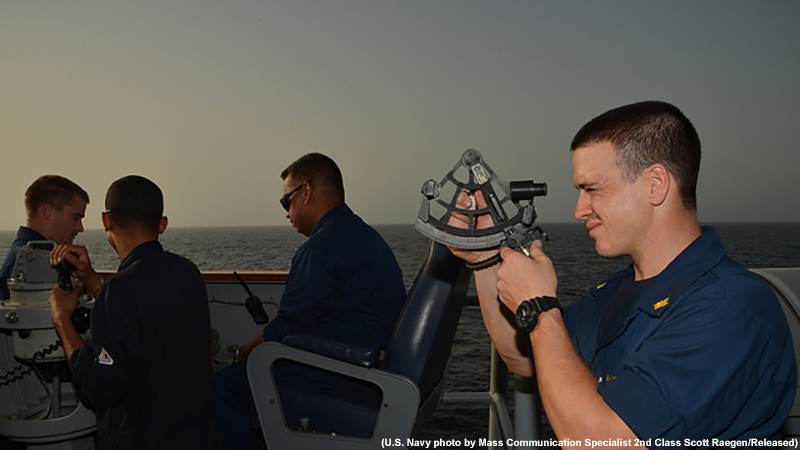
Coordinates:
582	207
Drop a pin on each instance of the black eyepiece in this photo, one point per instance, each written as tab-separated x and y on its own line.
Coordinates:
527	190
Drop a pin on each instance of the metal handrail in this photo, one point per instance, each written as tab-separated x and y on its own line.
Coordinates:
527	406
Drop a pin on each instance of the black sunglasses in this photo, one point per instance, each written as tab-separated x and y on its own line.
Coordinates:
285	199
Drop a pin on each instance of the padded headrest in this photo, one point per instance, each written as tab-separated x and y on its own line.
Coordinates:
420	345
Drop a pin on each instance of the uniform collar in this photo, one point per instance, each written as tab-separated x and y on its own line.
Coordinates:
29	234
141	251
694	261
337	211
699	257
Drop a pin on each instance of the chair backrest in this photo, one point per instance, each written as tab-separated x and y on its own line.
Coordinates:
420	344
785	282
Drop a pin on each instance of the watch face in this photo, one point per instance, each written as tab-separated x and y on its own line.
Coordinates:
525	318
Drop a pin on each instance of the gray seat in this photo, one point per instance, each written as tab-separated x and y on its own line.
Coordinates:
786	284
392	398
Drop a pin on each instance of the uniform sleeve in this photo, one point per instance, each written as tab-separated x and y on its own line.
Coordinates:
710	359
105	367
310	283
4	276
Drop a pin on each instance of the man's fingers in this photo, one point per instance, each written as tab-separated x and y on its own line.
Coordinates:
536	249
505	252
71	257
56	255
464	201
61	252
479	199
457	220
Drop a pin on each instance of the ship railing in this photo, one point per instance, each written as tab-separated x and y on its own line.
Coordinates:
524	425
226	297
524	429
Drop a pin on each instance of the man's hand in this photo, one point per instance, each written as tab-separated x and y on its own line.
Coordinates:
62	305
246	349
482	221
78	256
513	347
522	278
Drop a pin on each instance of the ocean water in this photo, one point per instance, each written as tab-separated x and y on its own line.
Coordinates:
578	268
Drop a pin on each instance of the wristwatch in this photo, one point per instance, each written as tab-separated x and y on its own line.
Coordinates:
529	310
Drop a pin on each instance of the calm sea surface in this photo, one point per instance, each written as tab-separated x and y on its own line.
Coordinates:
578	267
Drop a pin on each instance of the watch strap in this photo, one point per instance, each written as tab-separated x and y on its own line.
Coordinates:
545	303
527	314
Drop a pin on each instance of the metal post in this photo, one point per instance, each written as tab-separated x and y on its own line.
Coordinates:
498	383
527	410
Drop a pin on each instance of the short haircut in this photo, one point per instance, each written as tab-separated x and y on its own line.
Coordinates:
135	202
53	189
317	167
647	133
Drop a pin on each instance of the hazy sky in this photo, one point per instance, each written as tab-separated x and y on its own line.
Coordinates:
212	100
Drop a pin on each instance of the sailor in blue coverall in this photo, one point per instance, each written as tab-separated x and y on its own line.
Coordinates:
54	210
344	283
699	350
683	347
145	367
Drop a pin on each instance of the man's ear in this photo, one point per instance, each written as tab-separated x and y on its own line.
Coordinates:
108	224
162	226
308	192
46	211
659	183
